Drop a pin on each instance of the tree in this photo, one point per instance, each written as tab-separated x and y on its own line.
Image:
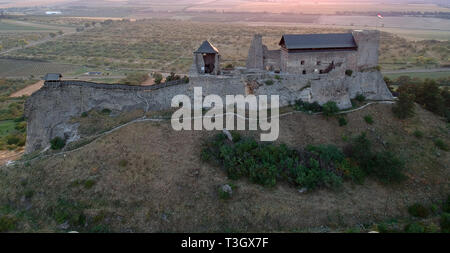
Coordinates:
157	77
404	108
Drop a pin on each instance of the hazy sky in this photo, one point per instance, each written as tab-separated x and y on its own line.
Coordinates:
24	3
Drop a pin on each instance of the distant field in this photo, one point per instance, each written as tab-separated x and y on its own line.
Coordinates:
421	75
311	7
167	45
24	68
7	25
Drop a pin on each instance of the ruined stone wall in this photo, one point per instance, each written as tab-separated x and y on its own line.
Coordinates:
272	59
256	53
368	45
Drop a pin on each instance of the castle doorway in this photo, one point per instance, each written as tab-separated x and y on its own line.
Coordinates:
209	60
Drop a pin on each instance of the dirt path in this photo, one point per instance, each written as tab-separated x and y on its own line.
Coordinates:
27	91
148	82
6	155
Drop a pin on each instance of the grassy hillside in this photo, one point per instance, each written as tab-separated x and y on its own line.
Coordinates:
145	177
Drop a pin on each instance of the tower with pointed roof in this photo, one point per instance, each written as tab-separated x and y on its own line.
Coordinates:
206	60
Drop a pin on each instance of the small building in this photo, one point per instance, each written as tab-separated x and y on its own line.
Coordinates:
52	77
206	60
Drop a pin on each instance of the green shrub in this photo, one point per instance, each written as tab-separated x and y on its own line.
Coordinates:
269	82
351	171
84	114
360	98
28	193
360	150
185	79
368	119
236	136
88	184
445	223
106	111
385	166
342	121
7	223
12	139
388	168
418	210
21	126
158	77
306	107
418	134
446	205
349	72
330	108
266	163
123	163
205	155
224	194
327	153
414	228
313	176
57	143
441	144
229	66
404	107
68	211
265	175
172	77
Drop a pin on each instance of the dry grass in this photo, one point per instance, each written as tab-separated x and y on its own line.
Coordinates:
149	178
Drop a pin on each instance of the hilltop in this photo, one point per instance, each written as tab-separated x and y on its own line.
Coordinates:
146	177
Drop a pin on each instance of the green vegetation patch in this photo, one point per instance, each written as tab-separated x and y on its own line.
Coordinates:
323	166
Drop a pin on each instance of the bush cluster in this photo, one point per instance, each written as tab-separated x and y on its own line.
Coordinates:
322	166
418	210
384	166
57	143
307	107
330	108
404	107
428	95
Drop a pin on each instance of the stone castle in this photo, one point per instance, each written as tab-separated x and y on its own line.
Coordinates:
313	68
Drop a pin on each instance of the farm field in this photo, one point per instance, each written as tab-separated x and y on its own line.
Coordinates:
167	45
312	7
9	25
10	68
421	75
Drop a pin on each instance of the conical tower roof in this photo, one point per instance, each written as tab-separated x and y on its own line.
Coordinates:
207	48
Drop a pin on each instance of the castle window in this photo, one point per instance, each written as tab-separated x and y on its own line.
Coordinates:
302	62
304	72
